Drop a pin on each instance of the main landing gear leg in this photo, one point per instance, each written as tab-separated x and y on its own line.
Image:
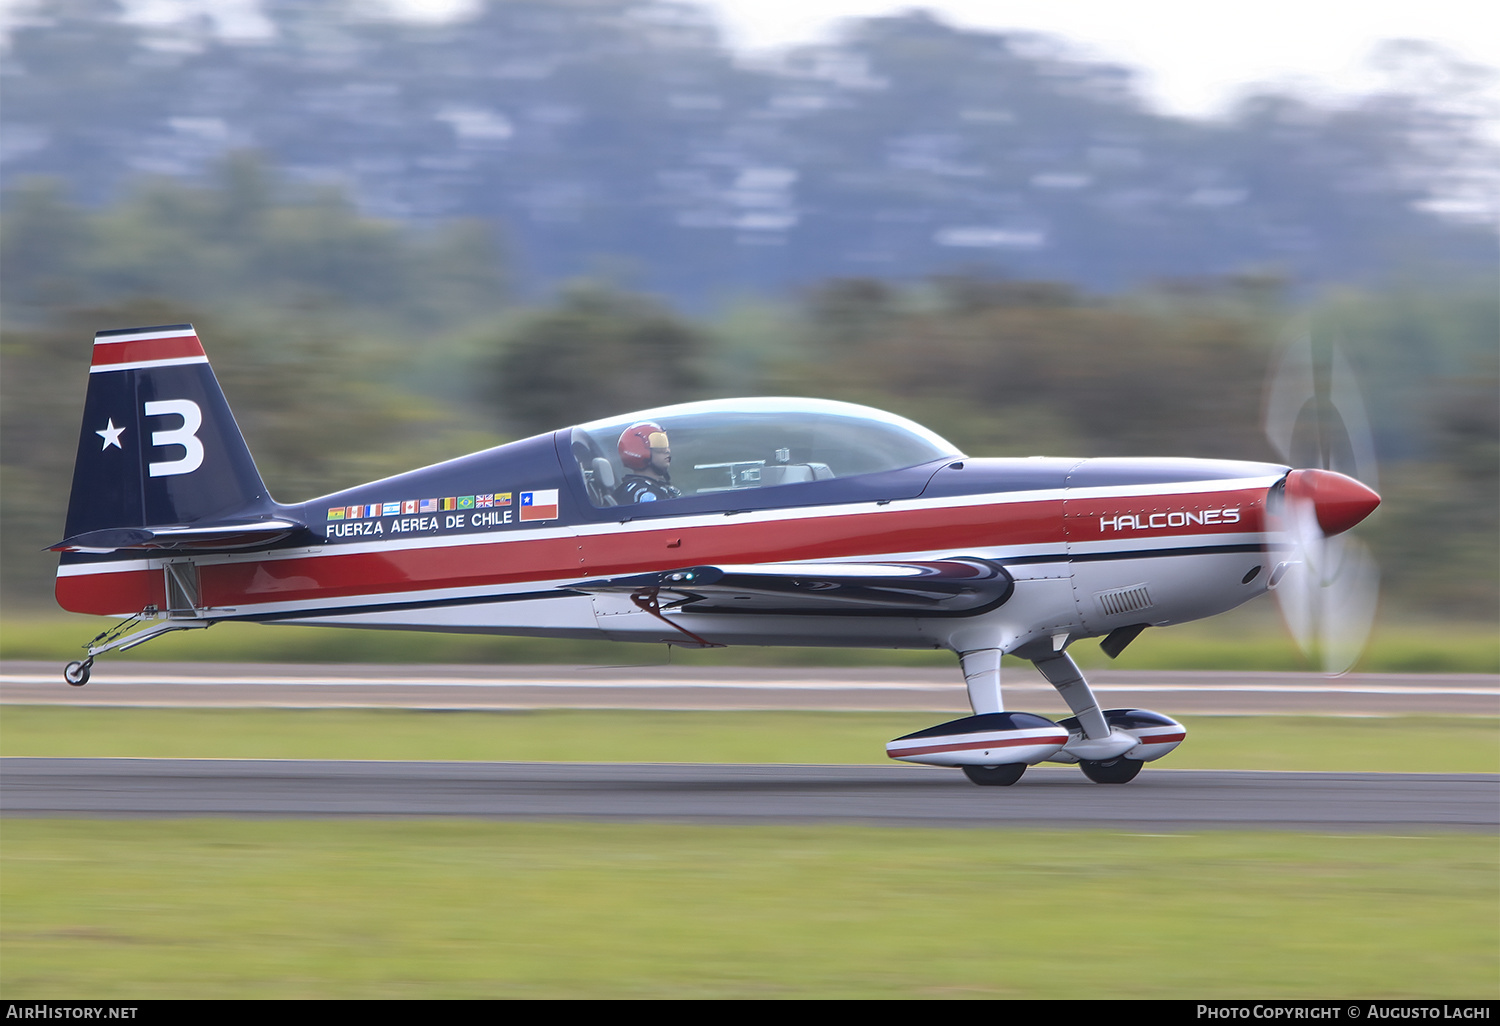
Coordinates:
982	675
1101	749
1064	675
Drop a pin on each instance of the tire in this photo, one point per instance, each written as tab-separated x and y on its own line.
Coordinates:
1111	771
995	776
76	674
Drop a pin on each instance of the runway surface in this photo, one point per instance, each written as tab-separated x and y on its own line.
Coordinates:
696	687
1158	800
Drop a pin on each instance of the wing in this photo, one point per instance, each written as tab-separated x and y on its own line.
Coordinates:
945	587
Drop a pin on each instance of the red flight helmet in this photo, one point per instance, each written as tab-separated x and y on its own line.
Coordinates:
638	441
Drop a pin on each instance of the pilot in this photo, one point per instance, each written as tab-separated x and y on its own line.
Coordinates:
648	463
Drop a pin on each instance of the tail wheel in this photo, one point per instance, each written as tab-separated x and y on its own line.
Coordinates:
995	776
1111	771
77	673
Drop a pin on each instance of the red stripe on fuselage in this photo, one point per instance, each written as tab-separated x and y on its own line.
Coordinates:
518	559
108	353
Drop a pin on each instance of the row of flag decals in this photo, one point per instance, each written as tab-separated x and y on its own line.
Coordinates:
537	505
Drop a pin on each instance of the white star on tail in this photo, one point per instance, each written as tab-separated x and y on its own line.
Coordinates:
111	435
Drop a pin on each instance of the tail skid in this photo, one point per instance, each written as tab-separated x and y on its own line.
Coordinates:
118	637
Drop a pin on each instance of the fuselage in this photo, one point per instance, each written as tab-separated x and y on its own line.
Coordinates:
492	542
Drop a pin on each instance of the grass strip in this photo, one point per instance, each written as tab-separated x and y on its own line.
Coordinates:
461	909
1385	744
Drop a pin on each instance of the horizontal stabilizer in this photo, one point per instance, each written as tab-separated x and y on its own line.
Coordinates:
247	534
937	587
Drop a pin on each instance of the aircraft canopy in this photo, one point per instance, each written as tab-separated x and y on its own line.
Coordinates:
731	444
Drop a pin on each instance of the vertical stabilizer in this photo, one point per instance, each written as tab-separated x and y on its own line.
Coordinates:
158	446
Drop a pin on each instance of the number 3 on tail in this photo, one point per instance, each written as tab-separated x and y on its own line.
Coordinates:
185	435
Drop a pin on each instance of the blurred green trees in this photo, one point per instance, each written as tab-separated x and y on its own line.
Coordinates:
242	241
598	351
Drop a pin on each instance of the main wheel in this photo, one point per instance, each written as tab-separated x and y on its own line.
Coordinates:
1111	771
76	673
995	776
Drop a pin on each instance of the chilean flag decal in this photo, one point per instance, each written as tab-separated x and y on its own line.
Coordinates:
539	505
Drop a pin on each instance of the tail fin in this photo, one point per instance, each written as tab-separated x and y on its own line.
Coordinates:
161	462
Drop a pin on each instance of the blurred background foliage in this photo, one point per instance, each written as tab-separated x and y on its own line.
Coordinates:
402	243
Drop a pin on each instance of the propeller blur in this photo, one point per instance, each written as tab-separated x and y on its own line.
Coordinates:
733	522
1328	586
